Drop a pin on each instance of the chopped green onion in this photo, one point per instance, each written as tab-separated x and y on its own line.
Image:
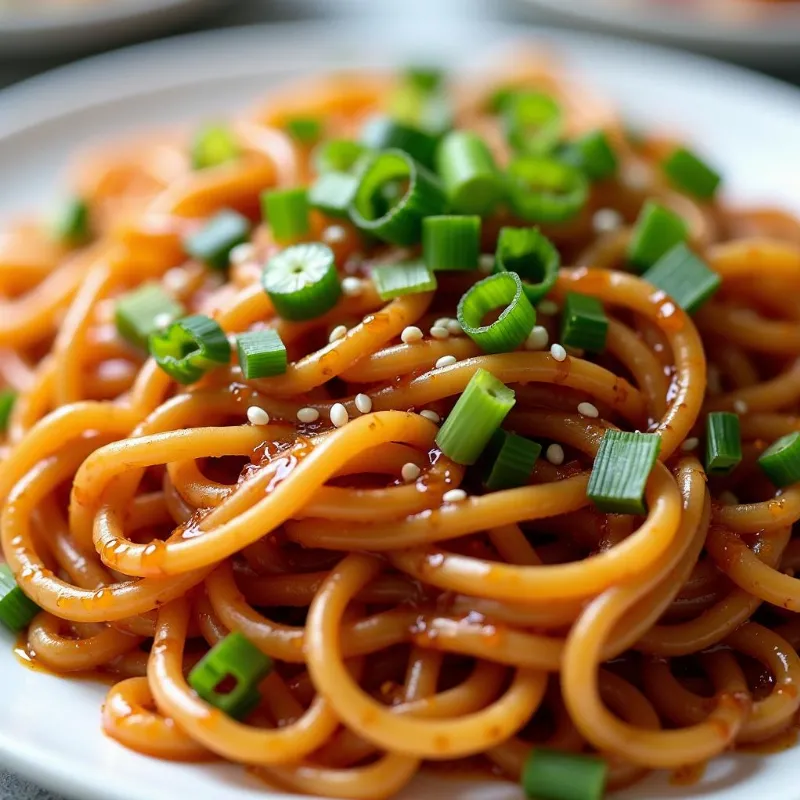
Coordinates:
656	232
333	193
691	174
529	253
542	189
621	469
71	224
426	79
213	145
213	243
516	321
554	775
451	242
262	354
7	399
338	155
500	99
477	414
16	608
286	211
237	660
684	277
593	154
306	130
781	460
144	311
470	176
533	122
384	133
408	277
302	281
512	460
723	442
190	347
420	196
584	323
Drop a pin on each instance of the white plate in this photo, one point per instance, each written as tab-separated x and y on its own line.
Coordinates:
50	728
742	30
26	30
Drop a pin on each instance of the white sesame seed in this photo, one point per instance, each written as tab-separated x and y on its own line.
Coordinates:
431	415
486	263
411	334
352	287
454	496
440	332
588	410
175	280
690	444
308	414
558	352
728	498
242	252
339	332
537	339
454	327
257	416
446	361
606	220
740	407
410	472
441	322
162	320
555	454
548	307
364	403
339	415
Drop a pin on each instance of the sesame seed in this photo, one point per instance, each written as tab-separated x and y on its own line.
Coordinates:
558	352
690	444
454	496
308	414
410	472
486	263
728	498
588	410
339	332
740	407
175	280
548	307
454	327
555	454
162	320
446	361
364	403
352	287
411	334
440	332
606	220
241	253
257	416
441	322
339	416
537	339
431	415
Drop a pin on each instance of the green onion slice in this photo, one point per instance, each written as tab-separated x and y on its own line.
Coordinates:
305	130
656	232
554	775
384	133
477	414
781	460
593	154
684	277
723	442
286	211
236	660
471	179
338	155
213	243
71	223
691	174
188	348
584	323
512	459
333	193
529	253
7	399
424	78
213	145
451	242
302	281
516	321
262	354
144	311
407	277
399	220
16	608
533	121
542	189
621	469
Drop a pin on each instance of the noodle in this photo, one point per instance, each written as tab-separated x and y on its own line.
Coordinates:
412	616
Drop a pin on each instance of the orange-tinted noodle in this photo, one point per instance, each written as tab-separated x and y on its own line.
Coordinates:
148	520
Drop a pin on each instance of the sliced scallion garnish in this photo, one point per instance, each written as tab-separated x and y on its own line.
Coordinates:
529	253
533	121
723	442
656	232
584	323
684	277
188	348
781	460
213	145
593	154
213	243
691	174
305	130
143	311
512	459
451	242
543	189
384	133
407	277
333	193
555	775
262	354
7	399
286	211
16	608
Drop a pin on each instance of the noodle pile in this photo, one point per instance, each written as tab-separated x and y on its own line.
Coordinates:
149	519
